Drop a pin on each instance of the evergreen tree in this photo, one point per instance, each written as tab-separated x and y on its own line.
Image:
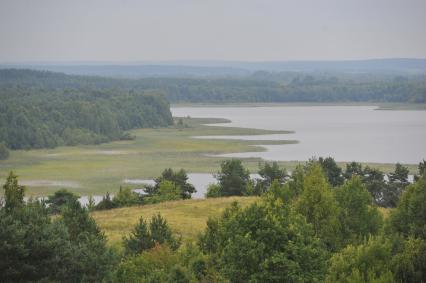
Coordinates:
13	193
233	178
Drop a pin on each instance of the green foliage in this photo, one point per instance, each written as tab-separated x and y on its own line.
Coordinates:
353	169
258	243
422	168
106	203
179	180
60	199
374	180
409	218
144	237
4	151
36	114
398	180
369	262
213	191
126	197
153	265
233	178
166	191
296	181
332	171
34	248
410	263
270	173
77	220
318	205
358	218
13	193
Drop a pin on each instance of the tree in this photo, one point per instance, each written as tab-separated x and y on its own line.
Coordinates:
398	180
161	232
410	263
318	205
4	151
400	175
126	197
106	203
265	242
33	248
409	217
145	237
179	179
77	220
422	170
358	218
353	168
331	171
13	193
152	265
59	199
422	167
270	173
233	178
139	239
369	262
374	180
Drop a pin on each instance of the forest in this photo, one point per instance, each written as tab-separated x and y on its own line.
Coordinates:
312	225
41	109
36	114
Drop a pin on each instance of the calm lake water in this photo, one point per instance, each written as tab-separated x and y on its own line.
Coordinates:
347	133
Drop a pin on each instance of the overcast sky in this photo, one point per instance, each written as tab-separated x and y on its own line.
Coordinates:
248	30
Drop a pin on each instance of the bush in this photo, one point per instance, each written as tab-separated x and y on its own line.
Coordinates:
126	197
166	191
213	191
105	203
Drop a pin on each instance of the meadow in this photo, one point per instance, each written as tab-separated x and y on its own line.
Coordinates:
97	169
187	218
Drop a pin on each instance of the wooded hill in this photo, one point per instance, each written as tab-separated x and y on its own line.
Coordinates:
40	109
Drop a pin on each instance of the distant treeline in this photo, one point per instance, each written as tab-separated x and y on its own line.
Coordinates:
260	86
39	110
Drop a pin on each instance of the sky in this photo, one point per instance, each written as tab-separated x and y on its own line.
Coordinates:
236	30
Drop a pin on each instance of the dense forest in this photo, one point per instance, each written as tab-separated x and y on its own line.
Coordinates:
38	113
308	226
260	86
43	109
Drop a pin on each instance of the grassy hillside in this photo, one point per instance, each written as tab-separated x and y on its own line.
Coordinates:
186	217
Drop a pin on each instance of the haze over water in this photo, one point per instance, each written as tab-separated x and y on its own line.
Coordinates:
347	133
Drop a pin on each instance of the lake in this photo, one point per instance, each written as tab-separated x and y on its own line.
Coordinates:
347	133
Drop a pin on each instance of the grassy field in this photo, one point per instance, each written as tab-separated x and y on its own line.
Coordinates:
186	217
97	169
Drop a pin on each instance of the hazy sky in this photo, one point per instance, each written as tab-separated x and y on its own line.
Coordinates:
253	30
